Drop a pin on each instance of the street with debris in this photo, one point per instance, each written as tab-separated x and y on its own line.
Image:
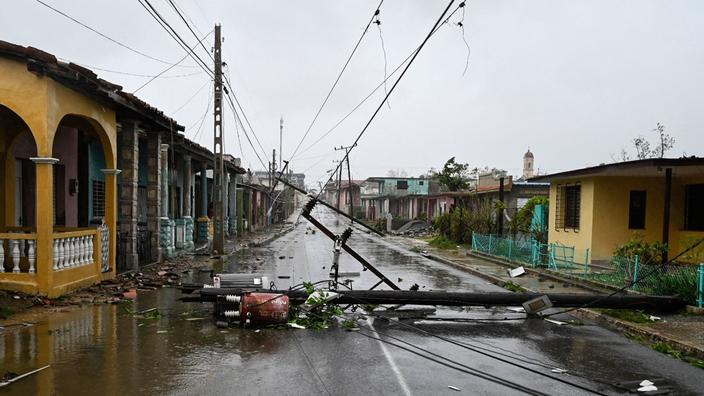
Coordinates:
179	350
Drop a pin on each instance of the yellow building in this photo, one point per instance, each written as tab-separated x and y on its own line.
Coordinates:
58	171
602	207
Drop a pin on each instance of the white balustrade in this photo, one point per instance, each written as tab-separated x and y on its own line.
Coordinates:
15	256
74	251
31	255
18	247
62	249
2	255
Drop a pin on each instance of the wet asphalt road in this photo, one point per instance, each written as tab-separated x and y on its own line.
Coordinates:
104	350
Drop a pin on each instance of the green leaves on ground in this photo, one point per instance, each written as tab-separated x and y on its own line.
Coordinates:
317	313
510	286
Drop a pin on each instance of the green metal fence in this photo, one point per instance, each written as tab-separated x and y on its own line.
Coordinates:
686	281
527	250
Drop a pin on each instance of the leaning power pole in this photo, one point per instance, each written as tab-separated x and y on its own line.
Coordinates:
219	168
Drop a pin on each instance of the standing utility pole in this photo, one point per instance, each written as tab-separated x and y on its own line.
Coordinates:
350	191
219	169
281	148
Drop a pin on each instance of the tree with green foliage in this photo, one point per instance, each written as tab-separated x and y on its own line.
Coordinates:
453	175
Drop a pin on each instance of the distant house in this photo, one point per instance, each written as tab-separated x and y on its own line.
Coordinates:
601	207
515	193
402	197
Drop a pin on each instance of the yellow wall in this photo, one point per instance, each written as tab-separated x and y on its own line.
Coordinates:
42	104
604	213
581	239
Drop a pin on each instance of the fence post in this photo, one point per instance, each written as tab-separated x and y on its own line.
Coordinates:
701	285
510	248
474	242
489	250
586	261
635	273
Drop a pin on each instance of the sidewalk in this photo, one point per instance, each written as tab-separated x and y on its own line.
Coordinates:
682	331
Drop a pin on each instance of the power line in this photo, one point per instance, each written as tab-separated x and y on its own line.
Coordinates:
632	283
106	36
337	80
237	119
393	87
190	99
231	93
381	84
168	68
453	364
173	5
172	32
205	114
128	73
187	17
228	91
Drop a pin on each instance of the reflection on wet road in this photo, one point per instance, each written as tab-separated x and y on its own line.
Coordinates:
105	350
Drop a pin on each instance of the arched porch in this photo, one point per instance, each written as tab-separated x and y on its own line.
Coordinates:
58	203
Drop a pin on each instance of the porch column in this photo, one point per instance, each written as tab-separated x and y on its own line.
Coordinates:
129	192
167	226
203	212
45	223
187	218
154	194
666	214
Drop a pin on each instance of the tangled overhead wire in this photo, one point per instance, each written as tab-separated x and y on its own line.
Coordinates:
377	22
460	24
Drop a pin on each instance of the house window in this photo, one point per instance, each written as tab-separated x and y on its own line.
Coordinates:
420	183
98	198
694	207
402	185
636	210
567	206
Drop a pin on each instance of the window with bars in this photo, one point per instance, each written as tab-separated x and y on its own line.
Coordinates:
694	207
98	198
568	199
636	210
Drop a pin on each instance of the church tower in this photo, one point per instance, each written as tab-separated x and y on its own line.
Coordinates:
528	165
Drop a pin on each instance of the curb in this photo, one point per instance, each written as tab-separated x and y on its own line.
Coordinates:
584	313
491	278
584	284
632	328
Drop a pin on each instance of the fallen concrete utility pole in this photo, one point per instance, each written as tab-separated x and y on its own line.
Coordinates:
406	297
300	190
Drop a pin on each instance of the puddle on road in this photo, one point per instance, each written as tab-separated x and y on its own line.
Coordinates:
103	349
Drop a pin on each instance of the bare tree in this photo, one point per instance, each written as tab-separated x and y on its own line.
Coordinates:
664	144
667	142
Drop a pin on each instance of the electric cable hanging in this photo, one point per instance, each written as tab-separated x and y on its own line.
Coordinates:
393	87
377	22
125	46
464	38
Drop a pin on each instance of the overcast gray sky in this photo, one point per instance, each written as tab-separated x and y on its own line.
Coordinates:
573	80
